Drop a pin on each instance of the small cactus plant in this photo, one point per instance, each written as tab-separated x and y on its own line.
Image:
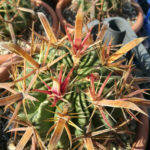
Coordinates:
75	93
12	19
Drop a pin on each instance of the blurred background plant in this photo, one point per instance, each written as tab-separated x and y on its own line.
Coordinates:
103	6
13	21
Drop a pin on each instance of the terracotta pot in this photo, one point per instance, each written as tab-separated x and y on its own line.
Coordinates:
140	17
62	4
4	58
55	24
142	129
142	133
6	62
5	67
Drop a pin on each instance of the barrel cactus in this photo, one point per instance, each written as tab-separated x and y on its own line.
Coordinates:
12	18
74	93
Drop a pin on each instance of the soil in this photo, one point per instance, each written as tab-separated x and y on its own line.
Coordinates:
69	15
125	141
128	11
144	5
4	137
51	3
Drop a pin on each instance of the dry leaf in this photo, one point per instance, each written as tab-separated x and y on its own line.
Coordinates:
47	28
78	27
18	50
11	99
89	144
57	134
124	49
25	138
119	104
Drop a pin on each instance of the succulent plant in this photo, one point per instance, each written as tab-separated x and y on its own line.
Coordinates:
12	19
96	9
75	93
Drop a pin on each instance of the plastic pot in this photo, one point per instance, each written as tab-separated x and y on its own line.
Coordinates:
121	32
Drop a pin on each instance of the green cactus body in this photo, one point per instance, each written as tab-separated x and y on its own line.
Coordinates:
46	112
75	95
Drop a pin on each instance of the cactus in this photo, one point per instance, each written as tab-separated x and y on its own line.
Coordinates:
73	94
10	14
